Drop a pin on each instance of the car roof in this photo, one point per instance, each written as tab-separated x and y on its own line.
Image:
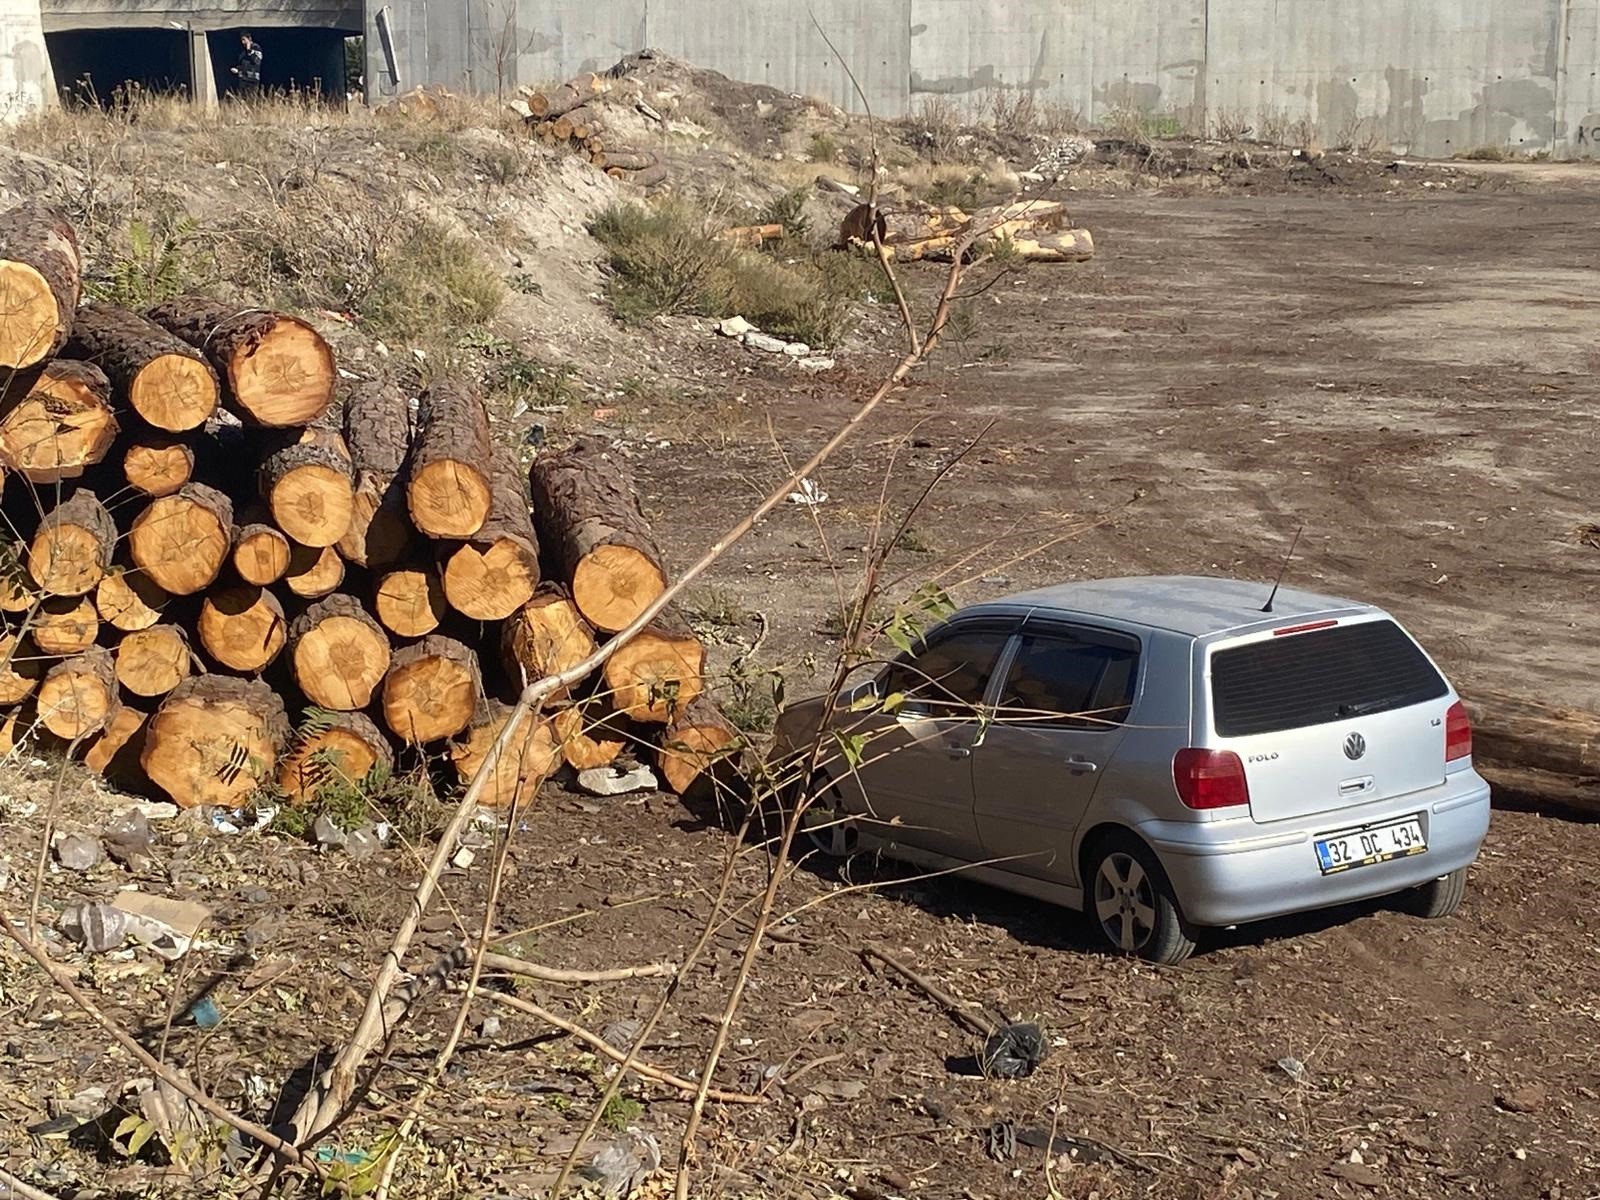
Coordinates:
1195	605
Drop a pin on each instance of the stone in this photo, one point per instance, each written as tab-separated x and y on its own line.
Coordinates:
757	340
78	851
1529	1099
327	832
797	350
127	838
733	327
817	363
608	781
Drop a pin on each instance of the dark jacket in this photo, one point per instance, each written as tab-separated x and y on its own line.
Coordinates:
250	65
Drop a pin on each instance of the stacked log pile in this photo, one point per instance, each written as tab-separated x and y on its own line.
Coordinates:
220	577
570	116
1031	230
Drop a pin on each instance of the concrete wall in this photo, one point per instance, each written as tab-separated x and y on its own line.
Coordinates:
1422	76
25	79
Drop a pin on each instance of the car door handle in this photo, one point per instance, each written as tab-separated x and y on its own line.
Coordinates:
958	751
1081	766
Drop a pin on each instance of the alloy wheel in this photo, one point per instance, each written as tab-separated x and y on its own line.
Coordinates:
1124	902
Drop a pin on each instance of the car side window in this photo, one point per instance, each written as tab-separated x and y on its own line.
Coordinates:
1066	680
948	678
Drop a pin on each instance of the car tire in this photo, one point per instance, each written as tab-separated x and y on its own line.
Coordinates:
1438	898
824	830
1131	905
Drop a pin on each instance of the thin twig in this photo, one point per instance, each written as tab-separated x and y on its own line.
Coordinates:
982	1026
45	838
508	965
10	1183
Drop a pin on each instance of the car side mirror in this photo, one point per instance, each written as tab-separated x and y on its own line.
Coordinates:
863	695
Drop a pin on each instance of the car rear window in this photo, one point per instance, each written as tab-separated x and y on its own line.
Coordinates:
1317	677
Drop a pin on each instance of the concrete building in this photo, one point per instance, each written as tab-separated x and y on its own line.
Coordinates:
25	81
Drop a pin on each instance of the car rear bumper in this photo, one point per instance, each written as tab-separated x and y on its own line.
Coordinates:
1231	872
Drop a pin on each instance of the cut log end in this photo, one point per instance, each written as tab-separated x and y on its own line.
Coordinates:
242	628
525	762
448	499
614	583
586	741
332	749
72	549
181	541
175	392
151	662
158	467
114	755
30	318
20	668
260	554
340	654
127	599
65	625
215	740
288	379
694	744
78	695
410	601
547	636
314	573
657	675
491	582
431	691
308	488
63	424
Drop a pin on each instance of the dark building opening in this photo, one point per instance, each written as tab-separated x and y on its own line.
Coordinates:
100	66
293	59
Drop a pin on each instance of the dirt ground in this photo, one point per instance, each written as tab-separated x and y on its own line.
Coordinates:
1406	374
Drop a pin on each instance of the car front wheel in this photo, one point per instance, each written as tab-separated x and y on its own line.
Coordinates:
1132	905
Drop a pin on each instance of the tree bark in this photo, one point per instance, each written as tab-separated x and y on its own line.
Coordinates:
276	370
659	673
72	549
589	516
339	653
410	601
242	628
575	93
377	430
151	662
20	667
630	160
546	636
313	573
215	740
694	743
157	465
524	764
308	488
431	691
78	694
56	421
494	572
448	491
41	272
260	553
181	541
1522	734
65	625
587	735
127	599
337	749
165	380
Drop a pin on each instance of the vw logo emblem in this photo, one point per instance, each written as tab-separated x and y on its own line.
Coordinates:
1355	746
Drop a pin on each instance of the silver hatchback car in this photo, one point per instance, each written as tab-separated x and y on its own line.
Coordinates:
1164	753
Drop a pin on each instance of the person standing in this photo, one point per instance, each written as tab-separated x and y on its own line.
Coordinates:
247	71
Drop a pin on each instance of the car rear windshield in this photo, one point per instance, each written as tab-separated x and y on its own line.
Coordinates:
1317	677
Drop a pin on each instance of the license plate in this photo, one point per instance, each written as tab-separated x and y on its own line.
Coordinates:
1374	844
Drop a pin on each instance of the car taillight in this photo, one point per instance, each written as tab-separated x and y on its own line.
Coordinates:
1457	733
1210	779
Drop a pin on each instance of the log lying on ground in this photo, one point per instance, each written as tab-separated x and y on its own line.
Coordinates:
570	95
79	694
309	490
215	740
1541	747
377	431
276	370
590	519
586	735
260	553
65	625
181	541
313	573
448	492
41	281
164	379
127	599
494	572
525	762
242	628
431	691
409	601
157	464
331	749
339	654
630	160
20	667
750	236
659	673
545	637
72	549
114	755
694	742
151	662
57	421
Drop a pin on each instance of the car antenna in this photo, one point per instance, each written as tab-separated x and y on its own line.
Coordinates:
1277	583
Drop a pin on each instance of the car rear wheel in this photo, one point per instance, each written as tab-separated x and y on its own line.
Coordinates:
1438	897
825	830
1132	904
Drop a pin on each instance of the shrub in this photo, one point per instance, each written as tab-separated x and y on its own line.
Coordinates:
823	148
789	210
432	278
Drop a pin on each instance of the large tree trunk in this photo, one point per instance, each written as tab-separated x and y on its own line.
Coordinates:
308	488
260	553
127	599
377	430
72	549
157	464
494	572
20	668
79	694
65	625
242	628
276	370
331	749
181	541
659	673
590	519
431	691
165	380
339	653
1537	750
57	421
313	573
524	764
587	735
545	637
40	284
410	601
448	492
151	662
215	740
694	743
